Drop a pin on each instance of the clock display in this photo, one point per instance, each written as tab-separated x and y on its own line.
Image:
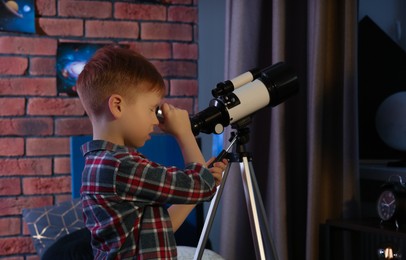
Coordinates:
386	205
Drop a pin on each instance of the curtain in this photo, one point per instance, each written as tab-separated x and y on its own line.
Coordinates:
305	150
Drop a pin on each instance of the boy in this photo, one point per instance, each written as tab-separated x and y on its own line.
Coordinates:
123	193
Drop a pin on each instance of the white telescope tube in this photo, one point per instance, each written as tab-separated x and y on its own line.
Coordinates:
253	96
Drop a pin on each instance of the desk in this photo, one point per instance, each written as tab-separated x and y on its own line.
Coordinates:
359	239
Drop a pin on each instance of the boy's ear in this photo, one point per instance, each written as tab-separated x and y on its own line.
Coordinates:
116	105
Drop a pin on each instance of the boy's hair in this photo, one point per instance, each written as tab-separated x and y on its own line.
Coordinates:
116	70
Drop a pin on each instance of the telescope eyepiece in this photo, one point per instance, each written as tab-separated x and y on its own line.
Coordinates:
223	88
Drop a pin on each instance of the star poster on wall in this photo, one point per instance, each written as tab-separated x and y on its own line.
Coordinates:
17	16
71	58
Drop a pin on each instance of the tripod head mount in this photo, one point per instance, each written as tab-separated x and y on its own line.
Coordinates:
242	130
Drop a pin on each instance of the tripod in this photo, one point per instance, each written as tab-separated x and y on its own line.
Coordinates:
259	226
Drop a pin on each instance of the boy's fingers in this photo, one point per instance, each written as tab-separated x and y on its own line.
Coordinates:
220	165
210	161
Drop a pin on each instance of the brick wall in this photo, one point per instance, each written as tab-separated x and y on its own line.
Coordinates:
36	122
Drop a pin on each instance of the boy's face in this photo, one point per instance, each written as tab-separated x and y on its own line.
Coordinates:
139	118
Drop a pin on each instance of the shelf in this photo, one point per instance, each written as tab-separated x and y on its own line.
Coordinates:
359	239
380	171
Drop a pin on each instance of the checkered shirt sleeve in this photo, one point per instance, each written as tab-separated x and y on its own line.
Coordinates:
123	196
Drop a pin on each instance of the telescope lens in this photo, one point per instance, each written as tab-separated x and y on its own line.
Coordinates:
281	82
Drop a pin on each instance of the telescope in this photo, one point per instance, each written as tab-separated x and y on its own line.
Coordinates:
240	97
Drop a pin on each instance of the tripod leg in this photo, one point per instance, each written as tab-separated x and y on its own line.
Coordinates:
266	228
252	209
210	217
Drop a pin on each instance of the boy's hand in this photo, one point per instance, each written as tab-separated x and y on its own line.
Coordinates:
217	169
176	121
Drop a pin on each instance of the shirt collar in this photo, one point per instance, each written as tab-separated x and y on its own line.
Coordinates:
96	145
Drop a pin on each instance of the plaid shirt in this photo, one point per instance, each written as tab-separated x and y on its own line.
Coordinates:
123	196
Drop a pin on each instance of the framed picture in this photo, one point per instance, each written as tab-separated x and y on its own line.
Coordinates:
17	16
71	58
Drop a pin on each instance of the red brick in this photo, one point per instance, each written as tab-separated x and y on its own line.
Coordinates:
185	51
55	106
26	126
45	7
47	146
196	107
60	27
10	186
25	166
73	126
15	258
139	11
62	165
12	106
195	32
182	14
184	87
11	146
28	86
25	231
15	205
182	2
176	68
111	29
166	31
10	226
183	103
42	66
166	82
59	198
87	41
16	245
32	186
85	9
26	45
151	50
13	65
